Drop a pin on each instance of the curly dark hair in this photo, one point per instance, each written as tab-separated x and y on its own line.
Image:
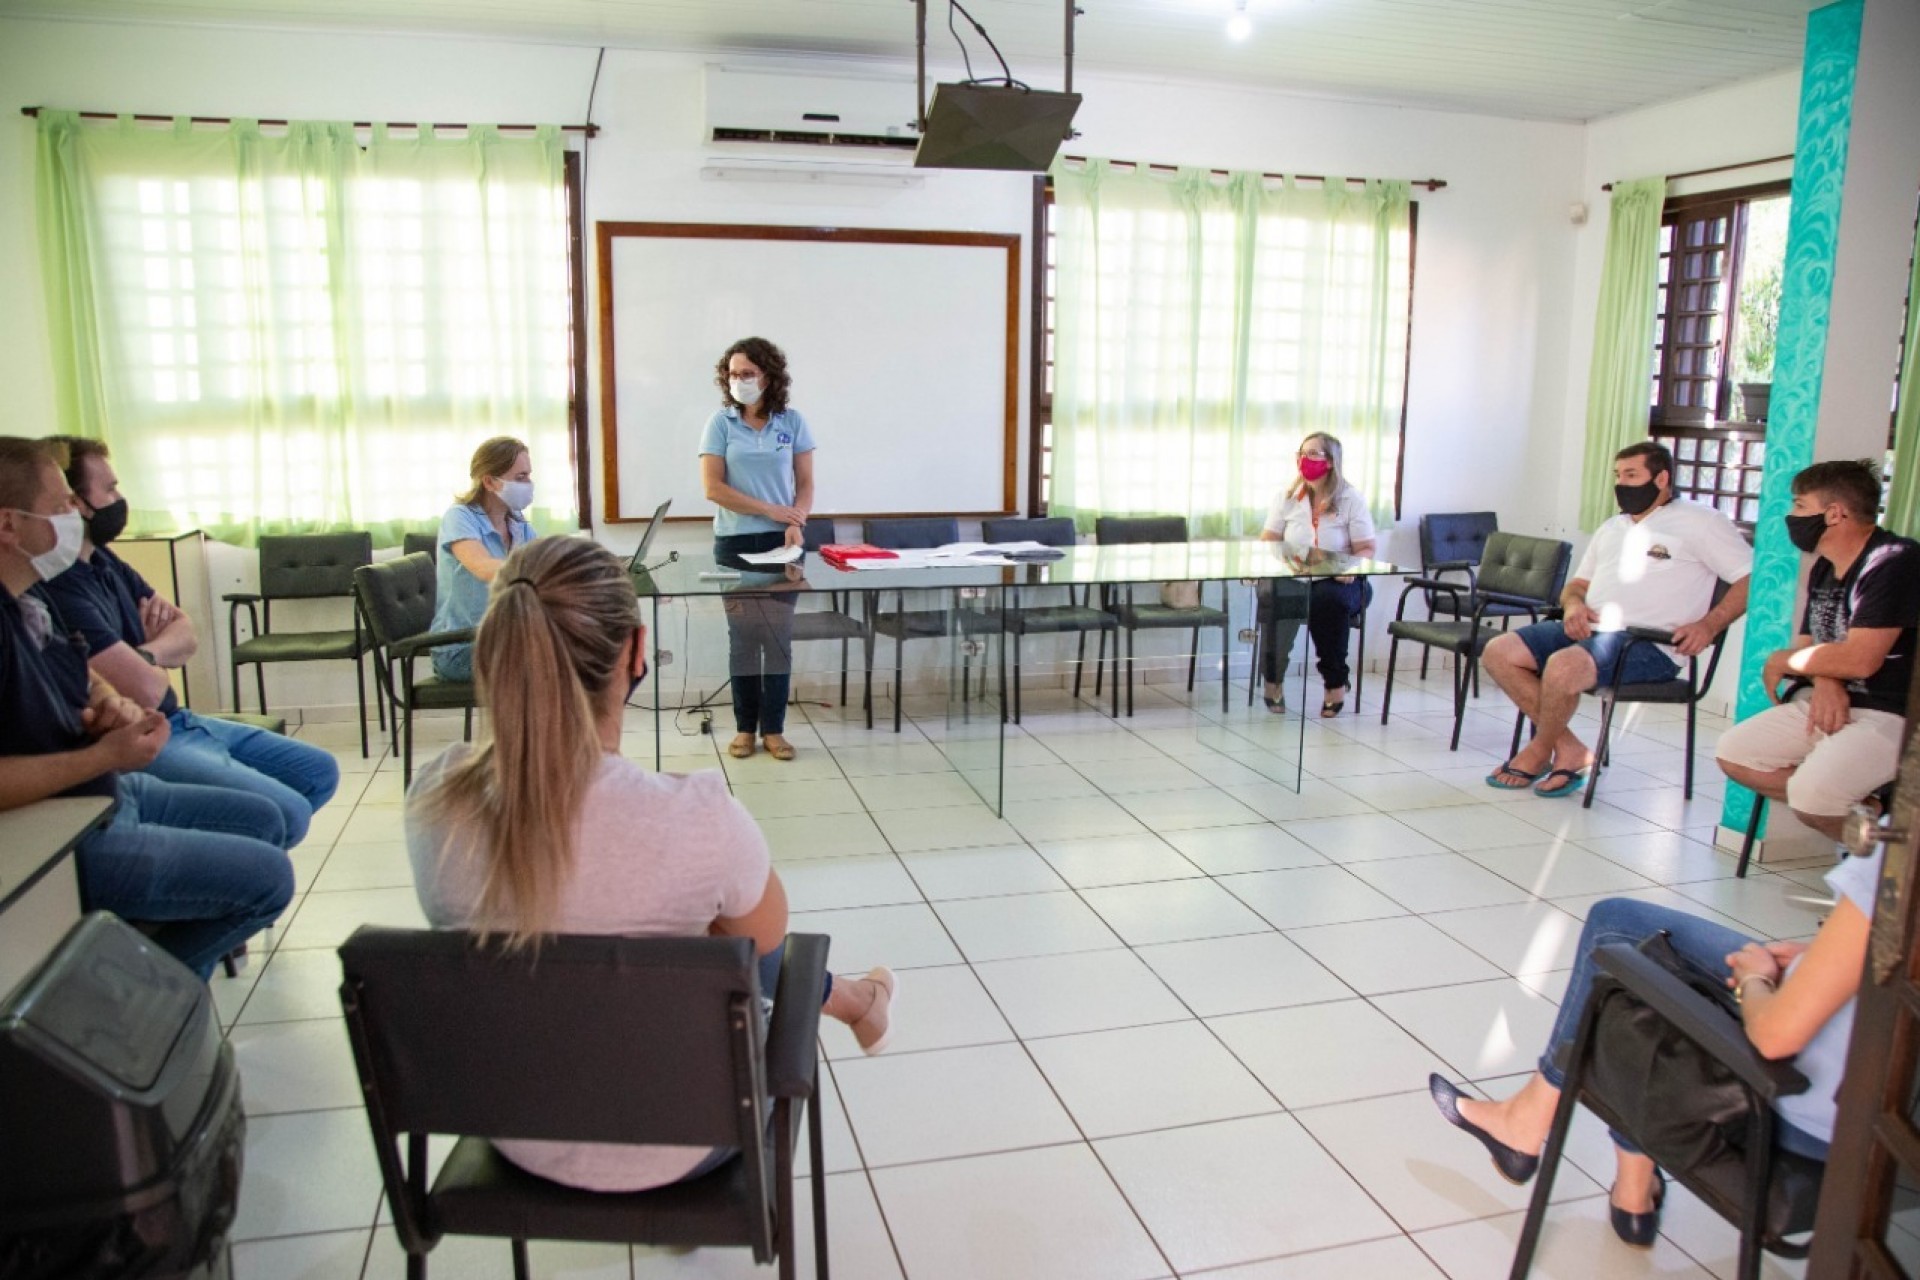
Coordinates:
772	362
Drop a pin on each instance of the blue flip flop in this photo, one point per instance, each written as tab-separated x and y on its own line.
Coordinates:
1493	779
1550	790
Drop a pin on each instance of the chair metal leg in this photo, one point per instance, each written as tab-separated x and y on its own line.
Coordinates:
1556	1143
1686	790
1600	752
360	688
1258	657
1519	723
1360	663
522	1269
816	1147
1460	678
406	759
1193	660
1393	651
236	687
1113	676
1753	833
1226	667
899	671
1080	665
843	671
416	1266
1100	660
1129	673
260	681
1017	706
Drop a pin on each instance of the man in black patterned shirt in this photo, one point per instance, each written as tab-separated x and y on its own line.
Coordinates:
1835	735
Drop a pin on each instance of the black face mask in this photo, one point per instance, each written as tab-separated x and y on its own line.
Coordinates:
1805	532
106	523
1637	498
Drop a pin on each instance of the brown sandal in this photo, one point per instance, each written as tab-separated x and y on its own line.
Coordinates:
778	747
741	747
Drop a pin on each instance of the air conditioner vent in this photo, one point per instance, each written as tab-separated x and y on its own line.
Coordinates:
815	138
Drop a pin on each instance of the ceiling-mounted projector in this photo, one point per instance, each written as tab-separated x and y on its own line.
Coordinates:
991	124
982	126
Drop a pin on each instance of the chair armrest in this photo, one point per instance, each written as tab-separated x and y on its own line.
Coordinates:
793	1032
414	645
1502	597
1695	1017
1436	584
1654	634
243	597
1439	567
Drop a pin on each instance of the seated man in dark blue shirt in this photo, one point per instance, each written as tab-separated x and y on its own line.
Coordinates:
134	636
206	866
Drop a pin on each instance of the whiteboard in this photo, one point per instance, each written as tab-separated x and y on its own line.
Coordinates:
900	345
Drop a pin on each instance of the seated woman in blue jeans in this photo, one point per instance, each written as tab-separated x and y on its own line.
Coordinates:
1796	1001
1317	512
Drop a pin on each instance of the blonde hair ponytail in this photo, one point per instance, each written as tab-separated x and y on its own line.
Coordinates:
560	615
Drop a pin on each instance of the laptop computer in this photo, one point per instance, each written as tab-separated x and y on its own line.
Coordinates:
639	560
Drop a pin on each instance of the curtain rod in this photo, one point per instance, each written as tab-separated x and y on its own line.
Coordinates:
1430	184
1719	168
589	130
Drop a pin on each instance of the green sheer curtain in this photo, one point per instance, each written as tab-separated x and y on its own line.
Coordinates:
1903	495
1203	327
302	330
1618	390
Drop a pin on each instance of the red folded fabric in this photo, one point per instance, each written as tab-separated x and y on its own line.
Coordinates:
839	554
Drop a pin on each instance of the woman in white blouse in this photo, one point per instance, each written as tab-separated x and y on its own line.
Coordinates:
1322	512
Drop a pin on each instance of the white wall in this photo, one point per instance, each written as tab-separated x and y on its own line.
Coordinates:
1502	283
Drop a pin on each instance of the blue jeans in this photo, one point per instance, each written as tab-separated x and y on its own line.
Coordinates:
1330	607
1645	663
296	776
205	864
1632	922
452	662
759	640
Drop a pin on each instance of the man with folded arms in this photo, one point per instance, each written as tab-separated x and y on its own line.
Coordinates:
204	867
1835	734
134	636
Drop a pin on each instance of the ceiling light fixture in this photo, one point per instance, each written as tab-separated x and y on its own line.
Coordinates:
1239	26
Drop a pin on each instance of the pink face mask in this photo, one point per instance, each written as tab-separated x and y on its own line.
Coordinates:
1314	469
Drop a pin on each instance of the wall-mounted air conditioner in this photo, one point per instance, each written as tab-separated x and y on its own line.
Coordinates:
747	107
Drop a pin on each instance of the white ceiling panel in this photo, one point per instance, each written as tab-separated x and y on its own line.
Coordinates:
1566	60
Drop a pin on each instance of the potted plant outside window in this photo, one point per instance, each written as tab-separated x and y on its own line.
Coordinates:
1759	328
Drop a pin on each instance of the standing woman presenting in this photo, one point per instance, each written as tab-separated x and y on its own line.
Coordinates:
756	466
1320	510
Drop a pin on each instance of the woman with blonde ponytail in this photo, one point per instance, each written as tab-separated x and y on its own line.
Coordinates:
546	828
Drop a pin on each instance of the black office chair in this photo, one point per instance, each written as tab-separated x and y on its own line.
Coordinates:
903	624
1454	543
397	596
1768	1193
1133	617
311	566
1516	572
1678	691
420	542
586	1039
1075	614
836	622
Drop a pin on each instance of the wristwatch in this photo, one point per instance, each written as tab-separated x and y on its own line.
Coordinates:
1740	987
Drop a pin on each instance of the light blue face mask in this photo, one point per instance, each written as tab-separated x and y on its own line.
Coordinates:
517	494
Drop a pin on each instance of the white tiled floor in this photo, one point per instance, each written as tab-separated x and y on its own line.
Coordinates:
1167	1017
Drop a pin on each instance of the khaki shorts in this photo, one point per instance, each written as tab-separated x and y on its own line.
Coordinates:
1831	770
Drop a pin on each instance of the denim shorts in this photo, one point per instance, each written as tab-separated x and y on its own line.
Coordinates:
1645	663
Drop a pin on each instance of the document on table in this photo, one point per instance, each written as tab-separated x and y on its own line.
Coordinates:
779	555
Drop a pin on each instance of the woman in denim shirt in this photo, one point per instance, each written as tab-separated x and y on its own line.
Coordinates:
483	525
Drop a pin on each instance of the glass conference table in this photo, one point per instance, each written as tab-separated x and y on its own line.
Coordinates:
970	602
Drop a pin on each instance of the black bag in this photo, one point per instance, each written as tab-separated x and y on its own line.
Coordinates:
1681	1106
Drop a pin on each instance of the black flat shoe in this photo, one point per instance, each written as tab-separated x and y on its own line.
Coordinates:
1516	1167
1639	1229
1332	706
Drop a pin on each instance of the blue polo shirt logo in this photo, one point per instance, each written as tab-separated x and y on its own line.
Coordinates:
783	438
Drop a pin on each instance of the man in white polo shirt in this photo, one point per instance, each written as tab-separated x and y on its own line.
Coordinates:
1654	565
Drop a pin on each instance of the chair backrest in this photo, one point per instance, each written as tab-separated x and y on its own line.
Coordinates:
1120	529
1517	565
591	1039
397	596
911	532
1049	531
310	566
819	532
1455	537
429	543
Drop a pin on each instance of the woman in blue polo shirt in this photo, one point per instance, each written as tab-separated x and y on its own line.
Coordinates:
756	465
478	531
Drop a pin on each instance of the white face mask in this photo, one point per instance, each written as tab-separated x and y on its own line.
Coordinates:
68	529
517	494
745	390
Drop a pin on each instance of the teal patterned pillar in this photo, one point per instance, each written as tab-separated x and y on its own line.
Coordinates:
1806	299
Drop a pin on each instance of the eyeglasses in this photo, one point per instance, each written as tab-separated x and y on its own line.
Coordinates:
1313	454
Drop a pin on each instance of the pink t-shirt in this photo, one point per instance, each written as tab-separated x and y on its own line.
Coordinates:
657	854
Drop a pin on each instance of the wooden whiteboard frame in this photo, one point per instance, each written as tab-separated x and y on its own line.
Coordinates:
606	233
